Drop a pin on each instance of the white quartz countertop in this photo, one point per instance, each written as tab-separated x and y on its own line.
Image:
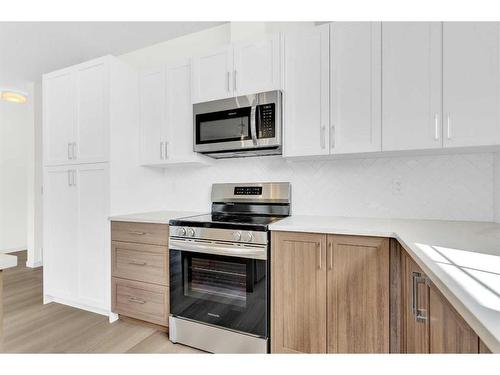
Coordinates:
158	217
7	261
461	258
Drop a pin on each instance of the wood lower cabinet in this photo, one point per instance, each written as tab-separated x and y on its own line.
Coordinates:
298	295
358	294
1	307
329	304
139	269
483	349
448	331
432	325
140	262
144	301
416	301
144	233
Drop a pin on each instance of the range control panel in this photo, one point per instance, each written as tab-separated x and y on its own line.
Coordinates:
266	123
248	190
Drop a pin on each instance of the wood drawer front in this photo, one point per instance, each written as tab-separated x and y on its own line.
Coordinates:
154	234
142	301
140	262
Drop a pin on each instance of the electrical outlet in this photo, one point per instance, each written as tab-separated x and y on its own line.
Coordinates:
397	186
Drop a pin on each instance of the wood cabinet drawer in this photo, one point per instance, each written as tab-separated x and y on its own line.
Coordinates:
140	300
140	262
154	234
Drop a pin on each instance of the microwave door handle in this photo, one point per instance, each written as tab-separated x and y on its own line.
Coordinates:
253	122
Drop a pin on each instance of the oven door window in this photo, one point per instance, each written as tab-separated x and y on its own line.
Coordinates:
221	281
223	126
226	291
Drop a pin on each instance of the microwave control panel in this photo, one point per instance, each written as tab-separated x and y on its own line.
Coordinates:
266	123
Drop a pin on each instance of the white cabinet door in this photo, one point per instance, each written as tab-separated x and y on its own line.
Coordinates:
92	113
471	77
179	112
257	66
152	115
58	117
91	184
411	87
60	255
306	92
212	75
355	87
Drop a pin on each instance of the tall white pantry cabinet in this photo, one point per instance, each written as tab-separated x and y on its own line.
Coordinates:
81	104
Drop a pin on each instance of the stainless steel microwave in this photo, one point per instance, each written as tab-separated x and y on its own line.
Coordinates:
247	125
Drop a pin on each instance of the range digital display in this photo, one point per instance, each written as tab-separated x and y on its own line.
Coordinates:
248	190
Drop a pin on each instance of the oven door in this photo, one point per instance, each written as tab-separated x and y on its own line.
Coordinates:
226	291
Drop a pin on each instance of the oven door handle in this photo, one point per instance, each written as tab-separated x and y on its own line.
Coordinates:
253	124
254	252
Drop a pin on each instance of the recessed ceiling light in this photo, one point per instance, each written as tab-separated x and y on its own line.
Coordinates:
13	96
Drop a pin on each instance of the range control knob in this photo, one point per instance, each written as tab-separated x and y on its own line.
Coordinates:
181	231
247	237
237	236
190	232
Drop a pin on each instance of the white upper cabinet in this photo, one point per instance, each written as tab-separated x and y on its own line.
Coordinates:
179	114
411	87
152	116
92	100
257	66
76	113
166	116
212	75
471	78
239	69
306	92
355	72
58	116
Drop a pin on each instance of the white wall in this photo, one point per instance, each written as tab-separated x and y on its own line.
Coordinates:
15	129
35	173
458	187
496	186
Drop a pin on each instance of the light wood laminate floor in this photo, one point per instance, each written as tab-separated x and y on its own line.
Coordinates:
32	327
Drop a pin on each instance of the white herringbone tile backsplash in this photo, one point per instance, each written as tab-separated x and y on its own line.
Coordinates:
453	187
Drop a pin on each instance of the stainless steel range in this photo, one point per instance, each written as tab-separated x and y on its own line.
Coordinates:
219	269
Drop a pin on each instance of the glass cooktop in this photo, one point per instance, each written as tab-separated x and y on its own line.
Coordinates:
244	222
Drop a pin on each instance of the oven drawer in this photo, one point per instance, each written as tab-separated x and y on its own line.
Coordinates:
139	300
154	234
140	262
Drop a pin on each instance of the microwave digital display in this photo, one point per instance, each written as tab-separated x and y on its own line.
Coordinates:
266	123
248	190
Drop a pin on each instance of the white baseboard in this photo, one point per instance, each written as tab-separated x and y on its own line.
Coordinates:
12	250
113	317
31	264
75	304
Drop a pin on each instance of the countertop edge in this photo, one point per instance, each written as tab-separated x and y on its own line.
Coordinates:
145	221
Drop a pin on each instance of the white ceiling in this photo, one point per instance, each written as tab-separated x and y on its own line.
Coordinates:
29	49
